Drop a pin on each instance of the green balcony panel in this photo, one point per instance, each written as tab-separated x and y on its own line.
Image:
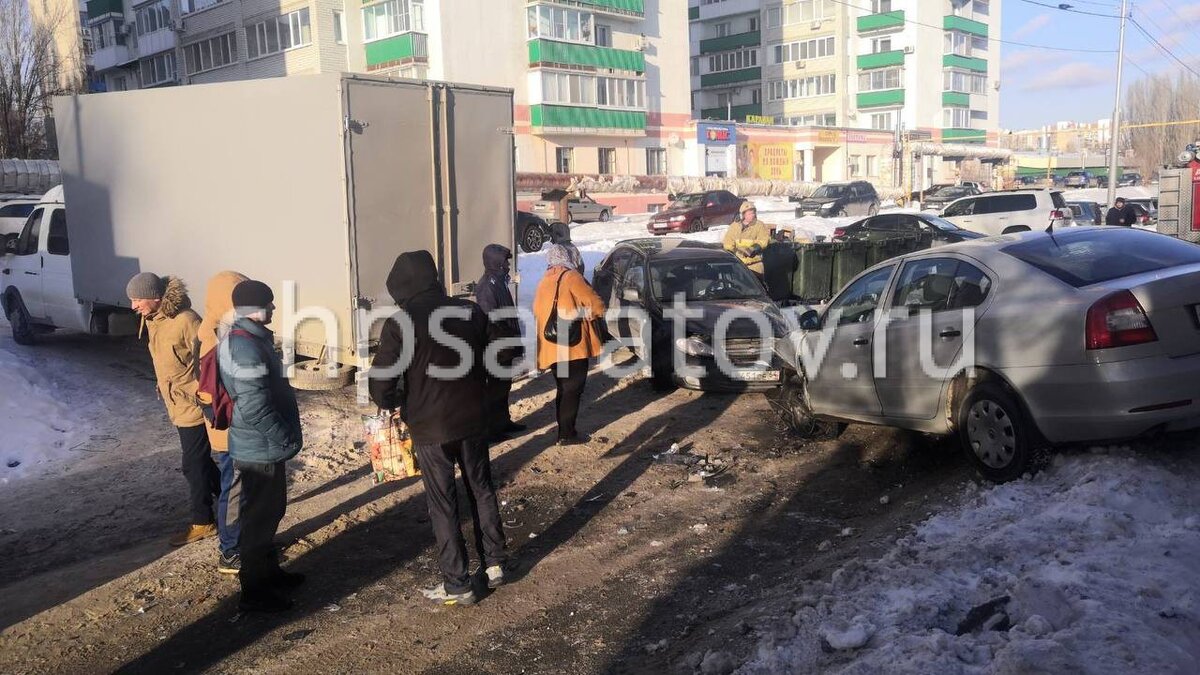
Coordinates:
739	112
956	98
728	42
98	8
881	60
968	62
396	48
559	116
730	77
881	21
637	7
964	135
548	51
965	25
693	13
876	99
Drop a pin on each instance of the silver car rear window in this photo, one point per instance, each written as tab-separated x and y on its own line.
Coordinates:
1086	258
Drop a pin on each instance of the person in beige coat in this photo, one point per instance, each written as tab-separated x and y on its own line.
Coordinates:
172	327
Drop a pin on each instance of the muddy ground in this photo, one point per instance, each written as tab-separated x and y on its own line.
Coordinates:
622	563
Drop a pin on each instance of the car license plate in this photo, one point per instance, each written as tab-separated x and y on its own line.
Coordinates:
756	375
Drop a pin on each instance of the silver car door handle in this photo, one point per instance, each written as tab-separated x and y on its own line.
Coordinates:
861	342
32	274
948	333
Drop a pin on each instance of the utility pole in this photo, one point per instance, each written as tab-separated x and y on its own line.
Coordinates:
1115	131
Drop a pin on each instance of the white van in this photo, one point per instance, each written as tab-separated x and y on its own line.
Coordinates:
1010	211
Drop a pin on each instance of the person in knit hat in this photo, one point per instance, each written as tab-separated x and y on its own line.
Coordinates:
168	318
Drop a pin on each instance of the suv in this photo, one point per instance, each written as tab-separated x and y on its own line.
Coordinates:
696	212
1087	213
1080	179
1010	211
856	198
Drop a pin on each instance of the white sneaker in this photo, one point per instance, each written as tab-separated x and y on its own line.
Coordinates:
438	594
495	576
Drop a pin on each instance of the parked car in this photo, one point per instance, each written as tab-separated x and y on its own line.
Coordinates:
1127	179
894	224
1026	180
974	184
1149	205
1116	354
1087	213
14	213
1010	211
532	232
1080	179
855	198
936	201
582	209
1144	217
650	273
916	195
696	212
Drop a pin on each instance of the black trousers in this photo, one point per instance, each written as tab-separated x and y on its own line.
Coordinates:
264	501
569	390
201	473
437	473
498	389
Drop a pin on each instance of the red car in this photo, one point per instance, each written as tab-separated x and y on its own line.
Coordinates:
696	212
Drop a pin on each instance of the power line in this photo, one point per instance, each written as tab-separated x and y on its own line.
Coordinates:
1068	8
1164	50
1164	31
990	39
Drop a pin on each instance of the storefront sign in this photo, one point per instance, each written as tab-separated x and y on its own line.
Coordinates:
855	137
771	161
826	136
716	134
759	119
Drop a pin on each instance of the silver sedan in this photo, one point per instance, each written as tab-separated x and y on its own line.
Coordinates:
1013	343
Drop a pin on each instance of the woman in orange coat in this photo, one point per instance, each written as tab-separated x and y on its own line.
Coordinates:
576	299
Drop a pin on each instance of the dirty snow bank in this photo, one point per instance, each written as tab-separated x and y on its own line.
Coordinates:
35	428
1097	557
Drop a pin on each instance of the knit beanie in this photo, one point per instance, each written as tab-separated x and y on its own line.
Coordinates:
146	286
253	295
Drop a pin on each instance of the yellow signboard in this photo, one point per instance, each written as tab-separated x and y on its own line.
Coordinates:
827	136
759	119
772	161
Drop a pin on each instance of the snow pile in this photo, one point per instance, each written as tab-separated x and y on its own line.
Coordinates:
1088	567
35	428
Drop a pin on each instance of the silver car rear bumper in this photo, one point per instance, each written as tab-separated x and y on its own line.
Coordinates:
1110	401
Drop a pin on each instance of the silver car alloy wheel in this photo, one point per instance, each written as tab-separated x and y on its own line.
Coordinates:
991	433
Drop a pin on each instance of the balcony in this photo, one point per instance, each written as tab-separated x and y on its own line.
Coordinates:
730	77
964	135
879	99
729	42
968	62
112	56
885	21
738	112
569	54
965	25
97	9
396	50
725	8
956	98
153	43
881	59
624	122
618	7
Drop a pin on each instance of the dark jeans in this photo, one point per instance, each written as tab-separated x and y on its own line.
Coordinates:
437	473
264	500
203	478
498	389
569	392
229	504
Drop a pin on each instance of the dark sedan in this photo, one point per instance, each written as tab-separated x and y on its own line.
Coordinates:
938	199
649	274
895	224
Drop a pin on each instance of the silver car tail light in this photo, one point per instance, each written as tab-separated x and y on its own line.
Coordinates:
1118	320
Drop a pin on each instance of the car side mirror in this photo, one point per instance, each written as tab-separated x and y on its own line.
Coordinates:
810	320
10	243
631	295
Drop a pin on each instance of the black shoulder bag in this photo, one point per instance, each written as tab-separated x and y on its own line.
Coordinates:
550	330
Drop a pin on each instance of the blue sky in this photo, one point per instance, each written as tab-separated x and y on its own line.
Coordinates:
1040	86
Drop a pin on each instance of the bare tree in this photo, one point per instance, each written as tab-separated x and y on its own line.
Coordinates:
31	74
1155	99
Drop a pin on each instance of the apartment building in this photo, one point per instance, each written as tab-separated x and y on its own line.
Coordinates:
67	22
726	63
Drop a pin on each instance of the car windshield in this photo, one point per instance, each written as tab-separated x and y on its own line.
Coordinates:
701	280
829	192
687	201
953	192
943	225
1094	257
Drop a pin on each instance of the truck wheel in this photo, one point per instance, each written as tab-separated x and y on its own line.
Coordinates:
995	433
532	239
314	376
18	318
604	216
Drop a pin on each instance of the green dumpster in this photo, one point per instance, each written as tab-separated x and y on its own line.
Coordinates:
850	258
813	278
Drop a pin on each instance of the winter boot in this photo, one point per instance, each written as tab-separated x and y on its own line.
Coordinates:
194	533
438	594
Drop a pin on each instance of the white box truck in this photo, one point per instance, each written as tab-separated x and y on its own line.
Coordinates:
314	180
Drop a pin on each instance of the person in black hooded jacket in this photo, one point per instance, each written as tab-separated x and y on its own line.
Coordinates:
445	416
491	294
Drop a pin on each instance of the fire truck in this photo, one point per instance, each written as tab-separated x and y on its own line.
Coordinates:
1179	197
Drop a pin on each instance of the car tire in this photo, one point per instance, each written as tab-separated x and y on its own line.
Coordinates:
873	209
312	376
18	318
533	238
790	402
604	216
995	433
696	226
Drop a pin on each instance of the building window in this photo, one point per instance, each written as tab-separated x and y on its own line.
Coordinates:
619	92
392	18
809	10
279	34
606	92
774	17
817	120
803	50
957	118
339	26
189	6
982	7
119	83
608	160
880	45
603	35
855	166
211	54
722	99
158	69
695	66
721	29
872	165
746	58
106	35
958	43
562	159
756	96
965	82
656	161
558	23
802	87
881	6
153	17
883	121
753	23
876	80
979	44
